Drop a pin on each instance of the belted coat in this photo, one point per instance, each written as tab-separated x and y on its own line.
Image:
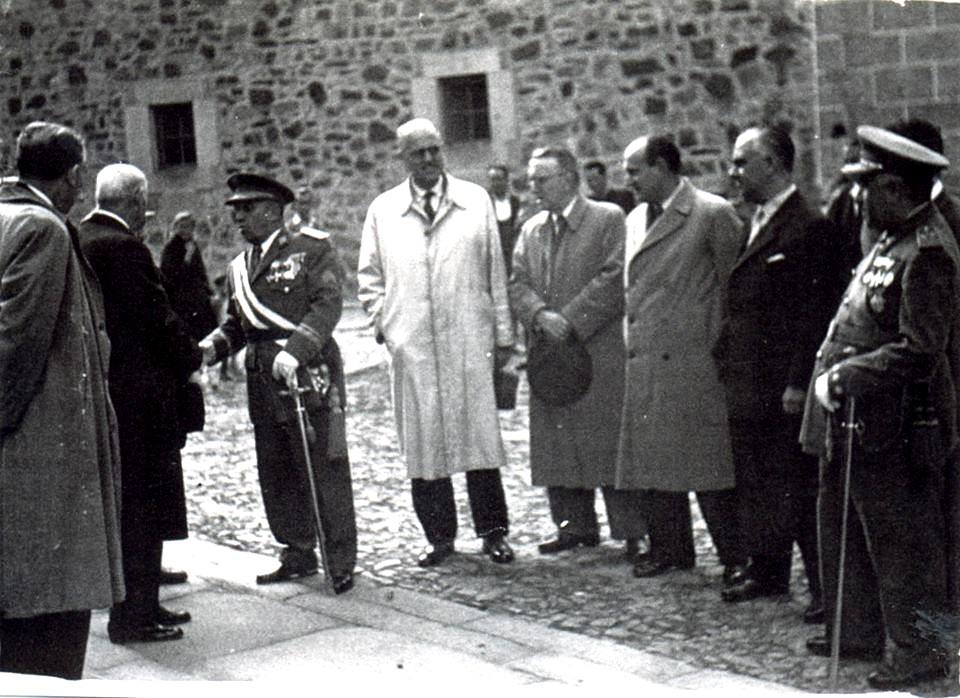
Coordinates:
437	294
59	455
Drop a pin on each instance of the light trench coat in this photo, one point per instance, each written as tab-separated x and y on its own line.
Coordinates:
437	294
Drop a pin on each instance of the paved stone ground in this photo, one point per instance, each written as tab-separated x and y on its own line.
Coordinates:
679	615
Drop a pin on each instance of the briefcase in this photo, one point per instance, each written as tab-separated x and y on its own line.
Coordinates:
505	388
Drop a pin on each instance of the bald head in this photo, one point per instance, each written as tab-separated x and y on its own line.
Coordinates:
122	189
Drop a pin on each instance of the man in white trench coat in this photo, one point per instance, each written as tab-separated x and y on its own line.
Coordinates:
431	277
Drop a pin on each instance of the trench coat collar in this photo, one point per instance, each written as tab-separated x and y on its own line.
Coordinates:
13	190
672	218
456	196
768	233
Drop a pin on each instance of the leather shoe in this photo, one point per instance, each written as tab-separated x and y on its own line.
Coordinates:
294	563
748	590
172	576
648	567
433	555
164	616
568	542
891	676
497	548
814	614
734	575
819	645
144	633
342	583
635	548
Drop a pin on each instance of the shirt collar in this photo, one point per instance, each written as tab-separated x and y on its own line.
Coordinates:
673	194
936	189
437	189
97	211
773	204
265	245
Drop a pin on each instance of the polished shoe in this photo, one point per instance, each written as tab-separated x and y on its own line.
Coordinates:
648	567
145	633
164	616
635	548
819	645
433	555
342	583
890	677
497	549
750	589
814	614
734	575
568	542
294	564
172	576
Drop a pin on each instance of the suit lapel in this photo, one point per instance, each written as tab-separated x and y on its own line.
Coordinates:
771	229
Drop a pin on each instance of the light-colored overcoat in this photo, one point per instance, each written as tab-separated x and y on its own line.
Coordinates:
59	458
437	294
674	434
576	445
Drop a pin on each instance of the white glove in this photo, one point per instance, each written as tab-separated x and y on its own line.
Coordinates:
821	389
285	367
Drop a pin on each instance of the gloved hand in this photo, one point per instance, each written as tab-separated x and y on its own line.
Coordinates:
821	389
285	367
209	353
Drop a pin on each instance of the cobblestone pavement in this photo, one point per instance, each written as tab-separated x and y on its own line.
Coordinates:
591	591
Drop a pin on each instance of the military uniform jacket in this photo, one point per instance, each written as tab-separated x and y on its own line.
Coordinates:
294	296
893	340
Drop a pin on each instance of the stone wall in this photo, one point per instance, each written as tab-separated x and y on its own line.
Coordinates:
311	90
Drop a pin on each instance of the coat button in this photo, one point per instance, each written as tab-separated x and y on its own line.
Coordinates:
665	356
632	355
631	318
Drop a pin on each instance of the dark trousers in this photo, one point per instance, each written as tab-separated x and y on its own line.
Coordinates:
433	501
777	499
52	644
572	510
895	571
671	526
285	488
141	577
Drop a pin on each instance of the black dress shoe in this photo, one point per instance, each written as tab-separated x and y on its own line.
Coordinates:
294	564
568	542
734	575
819	645
342	583
648	567
144	633
433	555
750	589
635	548
497	549
814	614
165	616
172	576
893	676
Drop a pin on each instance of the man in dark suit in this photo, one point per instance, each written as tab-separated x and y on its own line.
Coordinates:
151	355
185	278
507	207
286	298
595	177
780	295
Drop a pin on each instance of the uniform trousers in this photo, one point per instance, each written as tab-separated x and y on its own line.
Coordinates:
435	507
777	495
572	510
285	488
671	526
895	571
51	644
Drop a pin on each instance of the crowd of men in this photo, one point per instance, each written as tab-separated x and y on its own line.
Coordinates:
797	371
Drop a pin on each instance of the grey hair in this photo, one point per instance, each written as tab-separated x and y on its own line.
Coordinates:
118	184
415	127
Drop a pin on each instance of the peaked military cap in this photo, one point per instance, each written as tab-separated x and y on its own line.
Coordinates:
247	186
885	150
559	373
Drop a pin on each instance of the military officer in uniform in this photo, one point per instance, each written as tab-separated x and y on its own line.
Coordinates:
891	352
285	300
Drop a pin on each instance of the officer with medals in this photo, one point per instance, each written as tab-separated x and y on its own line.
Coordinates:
884	405
285	300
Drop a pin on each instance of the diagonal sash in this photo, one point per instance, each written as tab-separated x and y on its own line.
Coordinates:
256	313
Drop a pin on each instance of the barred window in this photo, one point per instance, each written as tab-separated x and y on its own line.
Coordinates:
465	107
173	126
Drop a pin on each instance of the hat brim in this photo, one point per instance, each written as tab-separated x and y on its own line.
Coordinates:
249	196
858	170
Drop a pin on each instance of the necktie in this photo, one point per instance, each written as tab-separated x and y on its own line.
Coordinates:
428	205
254	258
755	224
653	213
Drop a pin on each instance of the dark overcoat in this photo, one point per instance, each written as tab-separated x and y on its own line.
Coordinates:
152	354
59	458
187	286
576	445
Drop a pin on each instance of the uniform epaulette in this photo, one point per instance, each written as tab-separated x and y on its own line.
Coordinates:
928	236
313	232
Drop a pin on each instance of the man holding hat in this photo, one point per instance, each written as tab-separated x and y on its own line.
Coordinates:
888	369
567	290
285	300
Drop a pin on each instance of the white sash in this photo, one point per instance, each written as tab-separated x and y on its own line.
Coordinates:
256	313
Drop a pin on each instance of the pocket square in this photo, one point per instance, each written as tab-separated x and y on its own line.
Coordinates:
778	257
